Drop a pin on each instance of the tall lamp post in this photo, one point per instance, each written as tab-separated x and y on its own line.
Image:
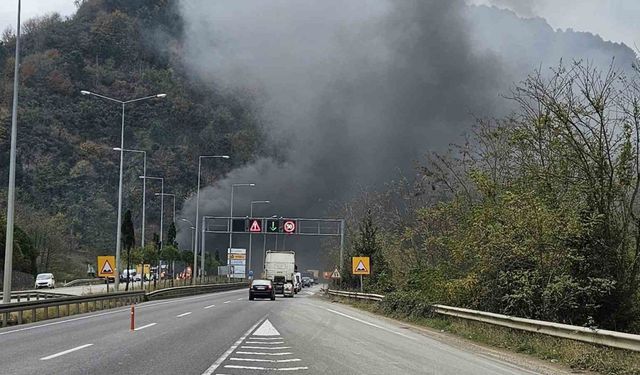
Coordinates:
11	191
195	253
123	103
251	234
144	189
231	214
161	219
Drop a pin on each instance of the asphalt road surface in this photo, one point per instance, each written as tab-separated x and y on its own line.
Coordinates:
225	333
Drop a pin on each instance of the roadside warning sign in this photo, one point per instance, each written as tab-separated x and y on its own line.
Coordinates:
106	266
360	266
335	274
255	226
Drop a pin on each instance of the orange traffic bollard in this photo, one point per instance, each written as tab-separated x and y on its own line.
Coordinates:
133	317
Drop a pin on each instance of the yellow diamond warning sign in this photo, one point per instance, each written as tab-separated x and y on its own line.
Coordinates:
360	266
106	266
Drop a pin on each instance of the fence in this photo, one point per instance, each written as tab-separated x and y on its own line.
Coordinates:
604	337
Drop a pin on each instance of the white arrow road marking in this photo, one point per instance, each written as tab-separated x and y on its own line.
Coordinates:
263	353
266	329
267	368
65	352
266	360
265	342
233	347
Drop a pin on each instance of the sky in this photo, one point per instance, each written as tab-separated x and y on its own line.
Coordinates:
32	8
614	20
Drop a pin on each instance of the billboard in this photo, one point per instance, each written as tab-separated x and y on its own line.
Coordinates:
237	258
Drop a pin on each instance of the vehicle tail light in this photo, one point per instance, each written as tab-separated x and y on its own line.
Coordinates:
268	287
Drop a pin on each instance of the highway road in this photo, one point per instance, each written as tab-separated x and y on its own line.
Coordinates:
225	333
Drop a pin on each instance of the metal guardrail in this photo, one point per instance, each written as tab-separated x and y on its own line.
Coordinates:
98	301
193	290
603	337
84	282
37	295
367	296
15	312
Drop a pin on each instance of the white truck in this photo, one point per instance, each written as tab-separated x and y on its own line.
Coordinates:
279	267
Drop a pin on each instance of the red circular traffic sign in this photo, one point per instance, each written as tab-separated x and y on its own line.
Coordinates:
289	226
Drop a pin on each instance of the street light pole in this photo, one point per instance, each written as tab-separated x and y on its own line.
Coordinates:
118	231
250	233
231	214
161	218
195	253
144	189
11	191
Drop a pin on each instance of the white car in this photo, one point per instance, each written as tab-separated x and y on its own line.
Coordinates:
288	290
45	280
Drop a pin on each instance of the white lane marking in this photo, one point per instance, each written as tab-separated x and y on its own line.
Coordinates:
183	314
266	360
370	324
227	301
266	329
266	368
264	342
116	311
265	347
210	306
240	299
264	338
146	326
263	353
233	347
65	352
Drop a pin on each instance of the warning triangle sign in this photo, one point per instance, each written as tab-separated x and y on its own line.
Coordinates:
335	274
106	267
255	226
361	267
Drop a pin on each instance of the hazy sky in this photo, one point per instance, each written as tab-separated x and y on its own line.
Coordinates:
614	20
32	8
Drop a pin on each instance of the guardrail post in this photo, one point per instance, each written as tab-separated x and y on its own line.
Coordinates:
20	317
33	315
4	319
46	313
57	311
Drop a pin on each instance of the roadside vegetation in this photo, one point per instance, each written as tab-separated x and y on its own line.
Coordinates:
67	171
535	215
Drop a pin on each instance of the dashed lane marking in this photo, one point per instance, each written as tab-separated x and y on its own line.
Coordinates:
145	326
265	347
52	356
210	306
266	360
183	314
262	353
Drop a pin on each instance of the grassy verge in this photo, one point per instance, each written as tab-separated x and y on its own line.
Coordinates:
575	354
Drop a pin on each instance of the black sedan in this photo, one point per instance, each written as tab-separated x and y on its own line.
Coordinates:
262	289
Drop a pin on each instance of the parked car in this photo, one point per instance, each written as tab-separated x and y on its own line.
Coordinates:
306	282
45	280
261	288
131	274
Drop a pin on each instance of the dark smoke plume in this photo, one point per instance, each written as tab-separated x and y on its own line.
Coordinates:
359	90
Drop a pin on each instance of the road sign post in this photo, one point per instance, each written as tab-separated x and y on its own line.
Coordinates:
360	266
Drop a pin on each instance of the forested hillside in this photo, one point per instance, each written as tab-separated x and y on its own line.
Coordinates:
67	172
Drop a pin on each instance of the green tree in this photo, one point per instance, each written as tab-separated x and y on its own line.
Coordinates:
171	235
128	240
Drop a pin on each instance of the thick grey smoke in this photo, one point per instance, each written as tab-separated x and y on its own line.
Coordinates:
358	89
